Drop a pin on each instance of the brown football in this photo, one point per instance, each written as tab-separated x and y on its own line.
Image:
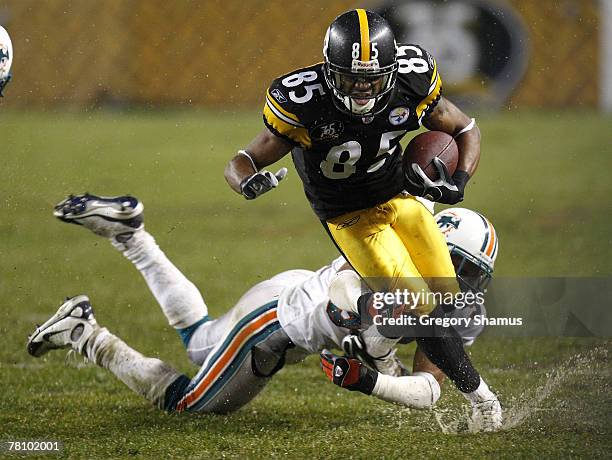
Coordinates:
423	148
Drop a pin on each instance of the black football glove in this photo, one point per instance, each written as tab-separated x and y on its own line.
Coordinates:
447	189
348	373
261	182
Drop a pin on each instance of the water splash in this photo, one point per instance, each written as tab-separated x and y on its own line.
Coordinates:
523	408
517	410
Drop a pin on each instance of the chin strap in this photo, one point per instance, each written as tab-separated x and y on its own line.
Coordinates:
363	110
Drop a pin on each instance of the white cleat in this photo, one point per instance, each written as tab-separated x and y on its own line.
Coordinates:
70	327
112	217
486	415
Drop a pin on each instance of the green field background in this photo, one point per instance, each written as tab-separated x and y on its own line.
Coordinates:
544	182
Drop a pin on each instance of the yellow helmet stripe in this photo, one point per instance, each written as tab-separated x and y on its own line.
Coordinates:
364	30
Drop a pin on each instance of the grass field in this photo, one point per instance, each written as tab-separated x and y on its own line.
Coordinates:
544	181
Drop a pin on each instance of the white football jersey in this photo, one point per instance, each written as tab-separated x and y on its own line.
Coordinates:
302	308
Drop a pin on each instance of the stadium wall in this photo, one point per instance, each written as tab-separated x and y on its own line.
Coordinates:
86	54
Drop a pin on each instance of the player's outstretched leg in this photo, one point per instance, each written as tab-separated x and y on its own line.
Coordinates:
74	326
111	217
121	220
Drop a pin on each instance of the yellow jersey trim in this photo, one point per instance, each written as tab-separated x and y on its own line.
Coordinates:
434	93
435	72
285	127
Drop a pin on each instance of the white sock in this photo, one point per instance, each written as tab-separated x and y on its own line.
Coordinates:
482	393
419	390
149	377
376	344
179	298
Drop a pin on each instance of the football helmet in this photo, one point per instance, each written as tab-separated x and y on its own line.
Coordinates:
360	62
473	245
6	58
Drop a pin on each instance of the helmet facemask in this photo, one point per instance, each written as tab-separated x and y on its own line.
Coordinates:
473	274
362	92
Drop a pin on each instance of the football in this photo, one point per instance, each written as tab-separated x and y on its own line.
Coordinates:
423	148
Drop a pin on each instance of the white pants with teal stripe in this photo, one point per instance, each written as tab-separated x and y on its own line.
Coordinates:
238	352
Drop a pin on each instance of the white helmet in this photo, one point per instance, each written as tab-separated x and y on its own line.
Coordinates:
473	244
6	58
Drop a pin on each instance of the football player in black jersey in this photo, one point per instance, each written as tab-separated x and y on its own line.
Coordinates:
343	121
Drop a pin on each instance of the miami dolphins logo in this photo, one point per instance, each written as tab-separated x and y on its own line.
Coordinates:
448	222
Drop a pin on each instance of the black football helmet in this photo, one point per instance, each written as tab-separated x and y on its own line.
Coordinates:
360	62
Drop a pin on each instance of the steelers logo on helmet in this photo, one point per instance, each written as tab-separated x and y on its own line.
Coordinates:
473	244
360	62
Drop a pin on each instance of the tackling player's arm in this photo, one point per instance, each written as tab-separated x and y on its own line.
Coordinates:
447	117
244	172
419	390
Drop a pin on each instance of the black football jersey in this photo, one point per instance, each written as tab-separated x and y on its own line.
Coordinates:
349	163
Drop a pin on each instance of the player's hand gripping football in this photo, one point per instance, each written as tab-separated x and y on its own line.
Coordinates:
348	373
261	182
447	189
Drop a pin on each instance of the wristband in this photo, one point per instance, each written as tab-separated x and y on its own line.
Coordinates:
461	178
246	154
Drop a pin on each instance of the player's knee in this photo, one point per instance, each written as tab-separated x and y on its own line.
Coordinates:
265	362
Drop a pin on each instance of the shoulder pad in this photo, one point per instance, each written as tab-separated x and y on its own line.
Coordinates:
290	100
418	77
